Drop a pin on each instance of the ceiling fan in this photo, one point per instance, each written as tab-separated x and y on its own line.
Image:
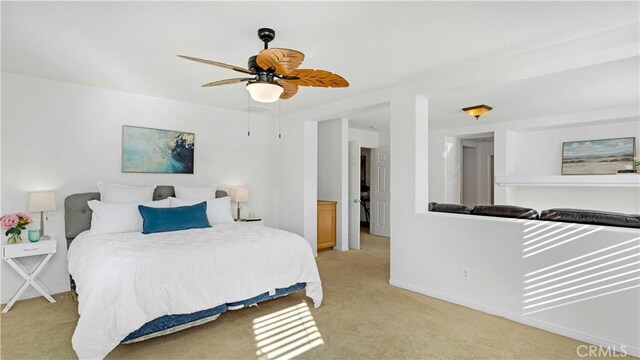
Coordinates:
274	72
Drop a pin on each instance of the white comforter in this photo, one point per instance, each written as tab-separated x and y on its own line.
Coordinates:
125	280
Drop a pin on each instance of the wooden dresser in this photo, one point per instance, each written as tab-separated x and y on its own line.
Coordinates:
326	224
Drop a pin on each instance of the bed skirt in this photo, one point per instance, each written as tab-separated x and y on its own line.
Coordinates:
168	324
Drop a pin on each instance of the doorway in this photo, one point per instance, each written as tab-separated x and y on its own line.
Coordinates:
353	172
380	193
477	178
369	192
469	194
365	189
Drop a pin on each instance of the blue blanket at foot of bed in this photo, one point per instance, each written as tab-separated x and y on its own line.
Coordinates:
164	324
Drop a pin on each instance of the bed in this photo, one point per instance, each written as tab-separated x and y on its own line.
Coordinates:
132	287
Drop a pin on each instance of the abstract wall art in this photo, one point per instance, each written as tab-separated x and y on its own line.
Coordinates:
146	150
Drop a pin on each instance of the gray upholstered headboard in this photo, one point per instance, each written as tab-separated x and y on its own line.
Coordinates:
77	214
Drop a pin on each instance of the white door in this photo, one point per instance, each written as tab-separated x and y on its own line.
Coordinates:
380	197
354	194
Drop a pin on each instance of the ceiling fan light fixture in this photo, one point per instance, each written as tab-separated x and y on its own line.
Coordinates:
478	110
264	92
275	73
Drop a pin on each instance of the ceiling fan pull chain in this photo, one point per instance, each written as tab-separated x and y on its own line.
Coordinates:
279	119
248	115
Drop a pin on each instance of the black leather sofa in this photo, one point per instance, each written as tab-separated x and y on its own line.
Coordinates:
592	217
506	211
449	208
578	216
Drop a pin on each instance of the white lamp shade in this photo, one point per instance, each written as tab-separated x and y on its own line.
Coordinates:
41	201
264	92
239	195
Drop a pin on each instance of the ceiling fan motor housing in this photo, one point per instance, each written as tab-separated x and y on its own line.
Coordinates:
264	76
261	74
253	65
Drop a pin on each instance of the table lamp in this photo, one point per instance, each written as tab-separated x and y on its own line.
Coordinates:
42	201
239	195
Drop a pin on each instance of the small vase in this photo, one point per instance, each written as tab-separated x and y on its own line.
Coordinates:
34	235
14	239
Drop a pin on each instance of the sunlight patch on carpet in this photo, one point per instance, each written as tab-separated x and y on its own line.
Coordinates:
287	333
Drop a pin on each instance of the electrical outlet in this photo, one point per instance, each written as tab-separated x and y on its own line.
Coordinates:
466	274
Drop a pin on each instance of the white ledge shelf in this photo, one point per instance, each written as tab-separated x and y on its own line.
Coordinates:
626	180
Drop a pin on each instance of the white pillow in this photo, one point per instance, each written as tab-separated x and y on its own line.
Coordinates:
218	210
206	192
116	193
112	218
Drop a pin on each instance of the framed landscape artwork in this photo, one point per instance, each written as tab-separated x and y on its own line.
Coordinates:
146	150
598	157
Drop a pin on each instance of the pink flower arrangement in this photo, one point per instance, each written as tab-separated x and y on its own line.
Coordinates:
8	221
15	223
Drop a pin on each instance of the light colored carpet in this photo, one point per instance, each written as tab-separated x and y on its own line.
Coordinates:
362	317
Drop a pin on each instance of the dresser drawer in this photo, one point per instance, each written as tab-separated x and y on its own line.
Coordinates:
28	249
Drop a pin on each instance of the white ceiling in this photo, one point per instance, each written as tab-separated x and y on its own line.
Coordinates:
608	85
378	119
131	46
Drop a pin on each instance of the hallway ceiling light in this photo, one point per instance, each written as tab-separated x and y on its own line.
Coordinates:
477	110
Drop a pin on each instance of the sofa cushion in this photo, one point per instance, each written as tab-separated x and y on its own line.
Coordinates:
506	211
449	208
593	217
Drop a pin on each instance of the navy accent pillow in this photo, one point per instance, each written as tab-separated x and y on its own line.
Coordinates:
172	219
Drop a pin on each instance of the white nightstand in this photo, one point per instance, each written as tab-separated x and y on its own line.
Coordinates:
12	252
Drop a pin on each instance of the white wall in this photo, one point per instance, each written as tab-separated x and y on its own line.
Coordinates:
291	180
368	139
332	179
383	139
534	148
297	156
310	198
539	152
65	137
330	160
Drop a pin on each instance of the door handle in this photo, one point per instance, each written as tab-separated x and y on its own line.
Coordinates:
355	200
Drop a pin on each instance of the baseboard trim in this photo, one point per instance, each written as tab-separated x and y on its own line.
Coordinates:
634	351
